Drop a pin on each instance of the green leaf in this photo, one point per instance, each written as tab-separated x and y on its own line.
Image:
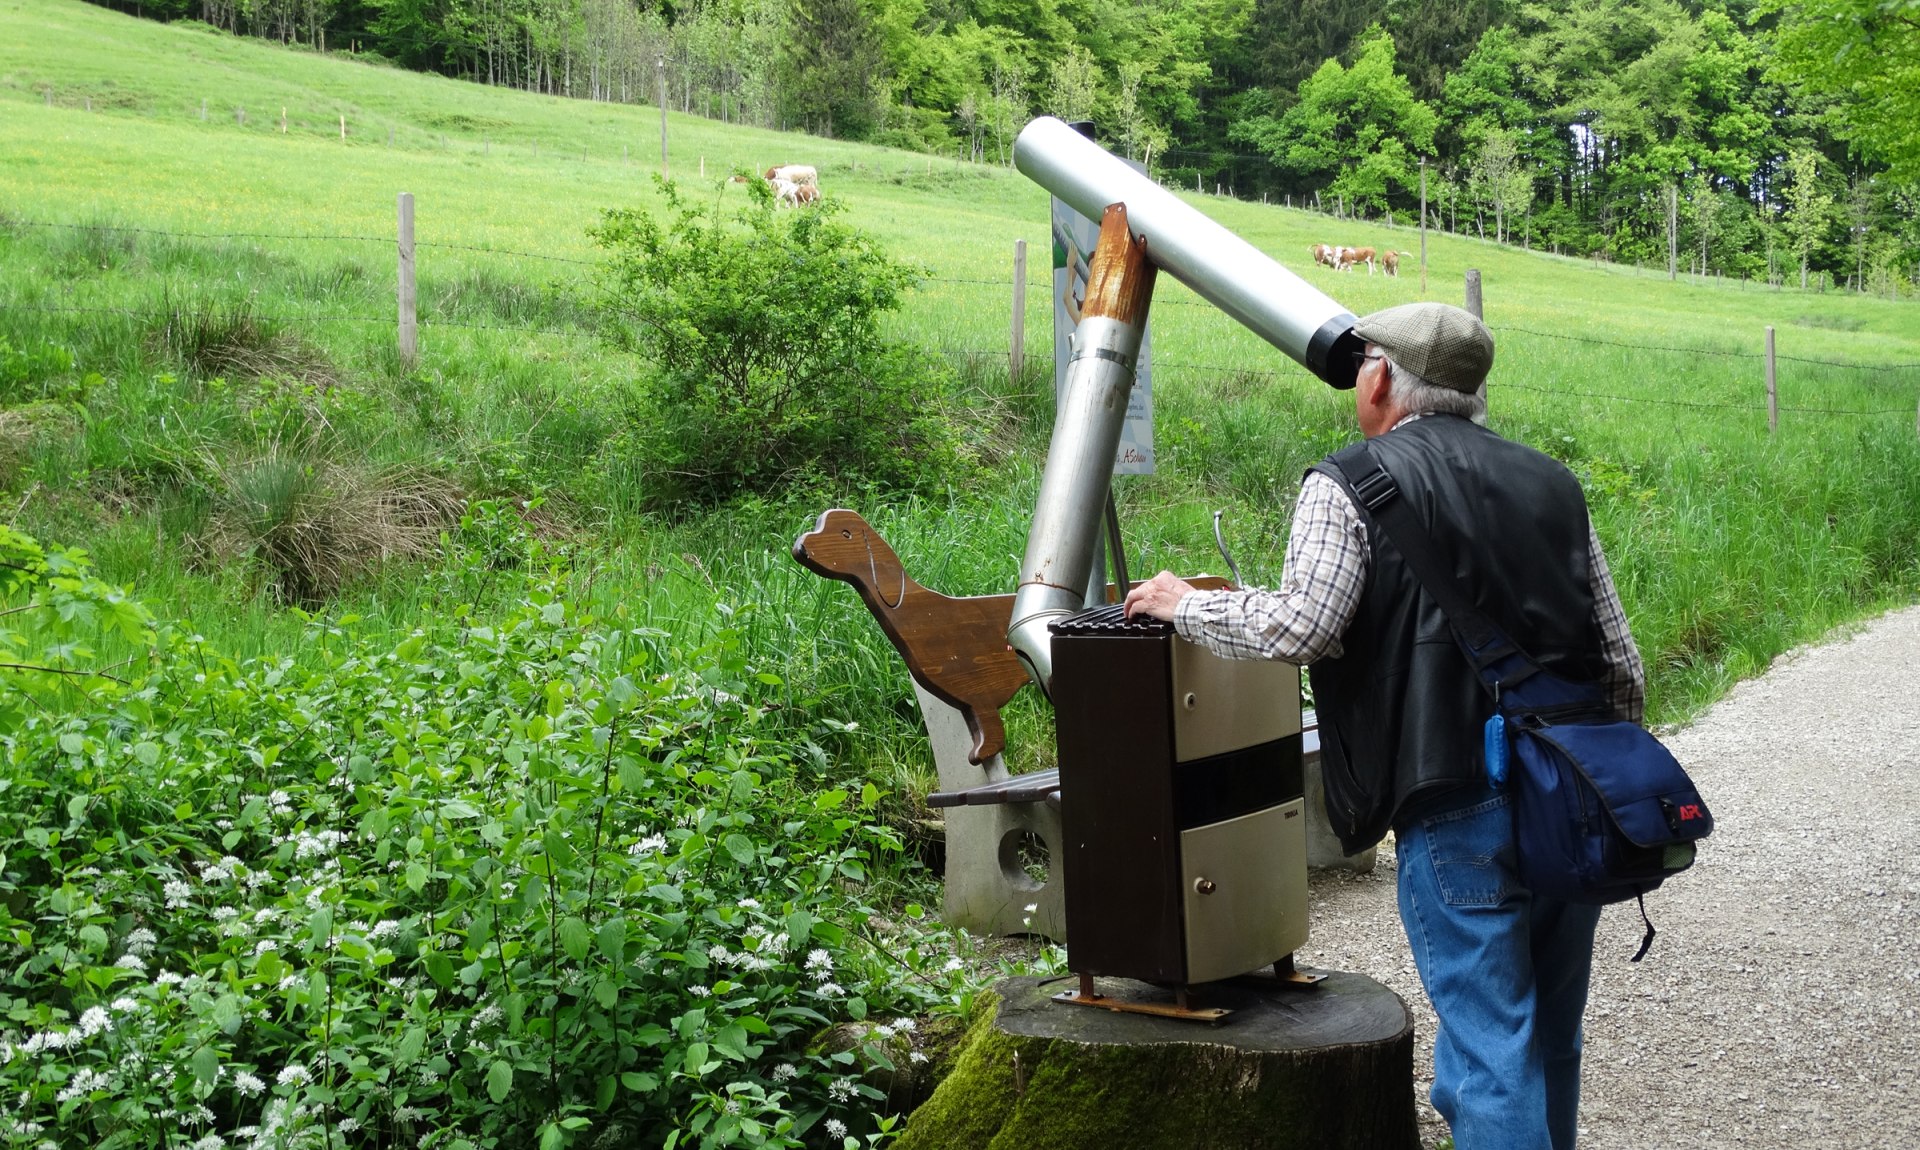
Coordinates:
206	1065
732	1042
575	938
439	968
696	1058
605	993
869	795
416	877
799	928
411	1044
612	938
72	743
640	1082
740	847
604	1094
499	1080
652	1034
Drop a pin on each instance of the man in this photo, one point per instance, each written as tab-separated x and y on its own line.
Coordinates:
1401	710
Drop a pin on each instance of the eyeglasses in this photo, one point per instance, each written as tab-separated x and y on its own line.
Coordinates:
1360	359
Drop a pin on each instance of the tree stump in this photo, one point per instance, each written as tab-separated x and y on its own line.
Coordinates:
1328	1067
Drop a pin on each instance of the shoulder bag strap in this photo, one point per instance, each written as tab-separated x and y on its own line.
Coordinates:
1499	660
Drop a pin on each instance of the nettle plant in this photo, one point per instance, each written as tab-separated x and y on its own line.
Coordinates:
537	882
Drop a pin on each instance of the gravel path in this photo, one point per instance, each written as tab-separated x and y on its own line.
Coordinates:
1777	1007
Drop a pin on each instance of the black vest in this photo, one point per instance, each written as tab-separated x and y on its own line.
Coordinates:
1401	710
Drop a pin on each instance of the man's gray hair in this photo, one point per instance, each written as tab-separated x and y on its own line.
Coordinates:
1415	396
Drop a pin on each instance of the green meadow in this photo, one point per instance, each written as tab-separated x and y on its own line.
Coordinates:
405	776
127	206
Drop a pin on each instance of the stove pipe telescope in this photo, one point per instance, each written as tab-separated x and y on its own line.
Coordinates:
1223	269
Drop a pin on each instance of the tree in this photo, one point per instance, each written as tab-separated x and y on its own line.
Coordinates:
1500	179
1073	85
829	62
1809	207
1866	54
1357	128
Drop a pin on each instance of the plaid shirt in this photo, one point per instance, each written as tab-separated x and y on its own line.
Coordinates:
1320	586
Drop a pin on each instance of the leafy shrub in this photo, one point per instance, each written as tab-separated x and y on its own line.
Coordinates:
772	368
538	882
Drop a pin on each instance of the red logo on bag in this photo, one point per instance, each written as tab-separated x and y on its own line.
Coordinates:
1689	812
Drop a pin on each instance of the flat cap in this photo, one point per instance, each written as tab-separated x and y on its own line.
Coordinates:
1441	344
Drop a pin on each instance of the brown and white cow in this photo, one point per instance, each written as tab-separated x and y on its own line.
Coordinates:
1352	256
796	173
1390	261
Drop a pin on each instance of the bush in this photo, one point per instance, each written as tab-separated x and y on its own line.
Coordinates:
772	368
531	883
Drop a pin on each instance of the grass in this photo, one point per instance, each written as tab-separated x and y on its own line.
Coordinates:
142	371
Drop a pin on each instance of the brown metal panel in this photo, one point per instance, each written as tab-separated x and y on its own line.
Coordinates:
1114	730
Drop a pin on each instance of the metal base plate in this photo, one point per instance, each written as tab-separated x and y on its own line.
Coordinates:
1143	1006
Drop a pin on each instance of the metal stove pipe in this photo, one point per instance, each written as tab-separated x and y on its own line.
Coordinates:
1055	573
1224	269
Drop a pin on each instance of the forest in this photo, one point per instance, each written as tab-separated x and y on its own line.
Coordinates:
1762	139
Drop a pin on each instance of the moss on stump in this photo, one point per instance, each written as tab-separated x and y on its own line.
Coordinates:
1322	1068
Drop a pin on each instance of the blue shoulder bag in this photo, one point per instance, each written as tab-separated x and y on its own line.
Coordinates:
1602	811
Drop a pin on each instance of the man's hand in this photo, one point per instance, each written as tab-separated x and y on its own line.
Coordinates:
1158	596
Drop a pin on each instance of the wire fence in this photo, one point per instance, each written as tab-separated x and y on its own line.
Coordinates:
1016	355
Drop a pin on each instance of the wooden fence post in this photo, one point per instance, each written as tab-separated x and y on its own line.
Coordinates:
1017	350
1473	294
409	330
1673	232
1773	395
1423	227
660	82
283	119
240	116
203	105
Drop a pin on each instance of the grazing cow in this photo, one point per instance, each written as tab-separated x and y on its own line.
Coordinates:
1390	261
1352	256
1325	254
806	194
786	193
797	173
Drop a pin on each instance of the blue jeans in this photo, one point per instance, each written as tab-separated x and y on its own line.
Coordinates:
1507	973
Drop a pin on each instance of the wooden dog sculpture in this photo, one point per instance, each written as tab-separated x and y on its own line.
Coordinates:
955	648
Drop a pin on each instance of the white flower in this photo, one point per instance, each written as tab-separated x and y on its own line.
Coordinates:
167	978
131	962
224	913
265	945
836	1129
819	962
916	1057
883	1032
648	845
385	928
733	1106
177	893
247	1084
841	1089
749	904
124	1005
830	989
718	953
952	965
141	941
903	1025
698	991
84	1082
94	1020
785	1071
293	1075
210	1142
487	1016
348	1125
